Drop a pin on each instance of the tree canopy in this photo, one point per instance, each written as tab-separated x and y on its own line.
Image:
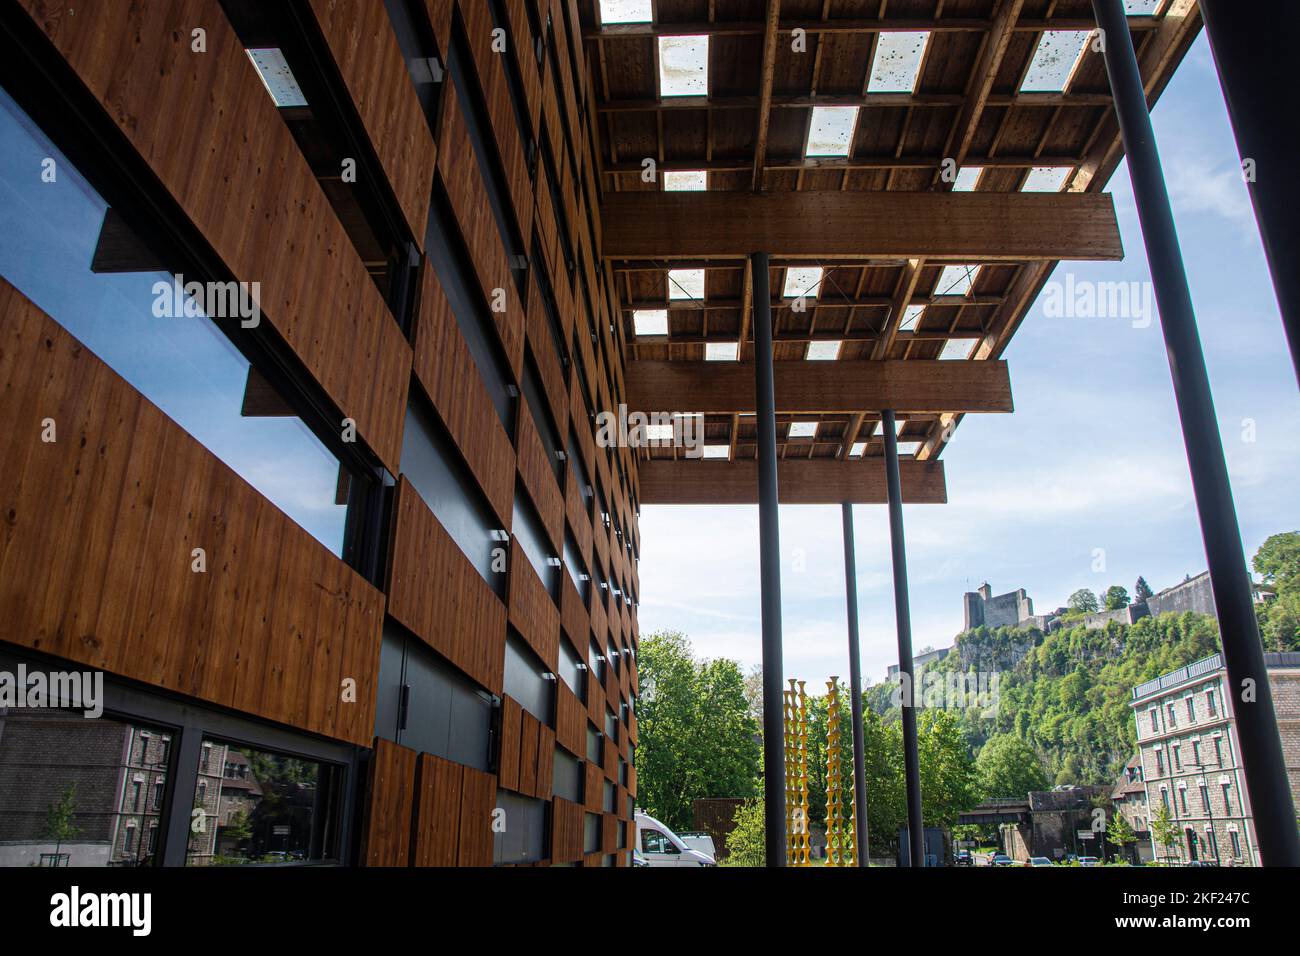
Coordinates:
1083	601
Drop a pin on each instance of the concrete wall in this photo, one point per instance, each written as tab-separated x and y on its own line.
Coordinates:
1194	595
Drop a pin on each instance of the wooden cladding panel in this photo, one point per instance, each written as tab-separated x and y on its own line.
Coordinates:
583	425
575	510
570	721
566	831
511	736
440	18
453	822
541	344
361	39
799	481
608	832
594	789
529	68
450	378
478	226
435	592
529	729
135	494
389	805
478	800
439	793
574	621
535	469
532	612
595	701
258	206
545	761
492	78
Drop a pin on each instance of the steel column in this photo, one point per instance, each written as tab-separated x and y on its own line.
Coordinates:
769	547
903	615
860	831
1261	748
1254	52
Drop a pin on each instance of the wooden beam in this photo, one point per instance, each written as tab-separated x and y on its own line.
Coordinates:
824	225
800	481
902	298
619	31
765	92
914	385
740	164
806	100
986	71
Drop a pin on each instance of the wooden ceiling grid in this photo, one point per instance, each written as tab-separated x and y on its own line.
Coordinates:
750	134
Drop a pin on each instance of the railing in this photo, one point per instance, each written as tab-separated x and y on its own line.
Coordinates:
1206	665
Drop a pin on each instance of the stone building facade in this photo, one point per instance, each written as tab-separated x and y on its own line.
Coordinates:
1190	757
982	607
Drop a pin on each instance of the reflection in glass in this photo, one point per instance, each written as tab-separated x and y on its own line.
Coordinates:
76	791
261	807
64	248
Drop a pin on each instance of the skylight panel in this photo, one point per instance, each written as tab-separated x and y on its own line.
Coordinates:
1046	179
717	451
650	321
686	181
802	281
857	449
659	432
956	280
968	178
1058	53
897	62
276	76
721	351
831	130
911	316
958	349
684	66
823	351
686	283
625	11
803	429
909	447
1142	8
899	423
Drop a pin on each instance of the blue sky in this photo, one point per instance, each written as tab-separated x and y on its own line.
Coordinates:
1091	459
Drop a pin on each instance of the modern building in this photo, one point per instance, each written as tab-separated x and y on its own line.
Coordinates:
1190	757
321	321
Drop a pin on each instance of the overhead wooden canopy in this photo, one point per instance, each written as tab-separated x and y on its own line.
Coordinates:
830	225
883	222
816	481
822	387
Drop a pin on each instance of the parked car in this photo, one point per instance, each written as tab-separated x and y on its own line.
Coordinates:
1089	861
662	847
963	858
1001	859
699	840
1039	861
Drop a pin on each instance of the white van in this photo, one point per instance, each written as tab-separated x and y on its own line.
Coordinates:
660	846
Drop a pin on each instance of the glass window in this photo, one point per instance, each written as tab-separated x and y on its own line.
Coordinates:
285	810
655	841
1210	704
65	248
64	797
1236	843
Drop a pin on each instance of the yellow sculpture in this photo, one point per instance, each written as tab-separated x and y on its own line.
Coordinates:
798	849
841	849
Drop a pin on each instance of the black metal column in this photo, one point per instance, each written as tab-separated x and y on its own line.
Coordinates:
903	614
1254	51
769	548
1261	748
860	831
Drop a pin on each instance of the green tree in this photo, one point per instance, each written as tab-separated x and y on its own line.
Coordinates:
697	737
1116	598
949	782
1119	834
1009	767
747	843
1278	559
1083	601
1163	829
1278	562
1142	591
59	824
